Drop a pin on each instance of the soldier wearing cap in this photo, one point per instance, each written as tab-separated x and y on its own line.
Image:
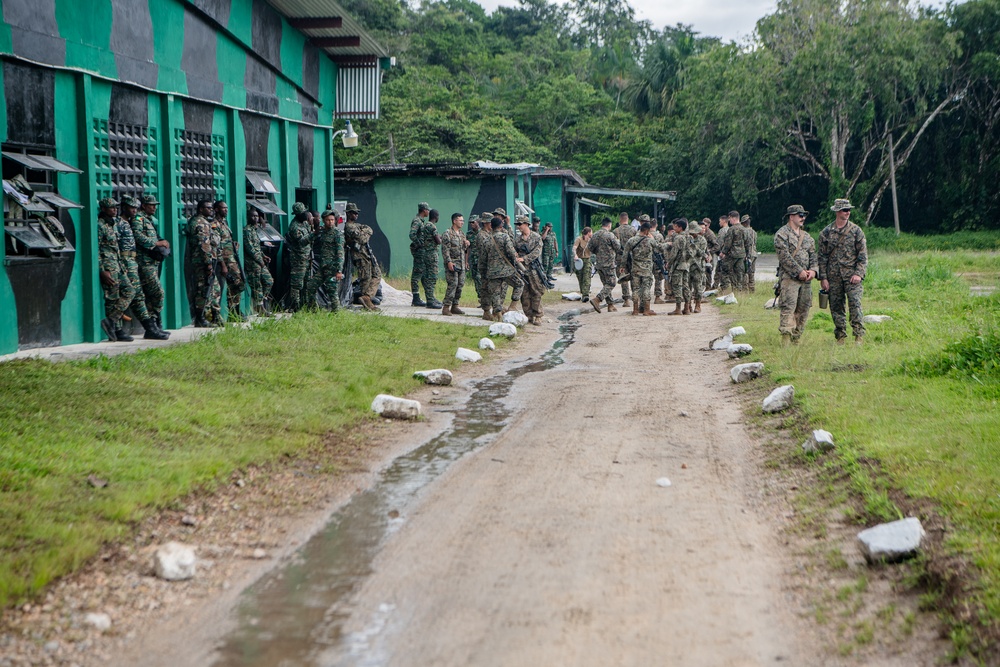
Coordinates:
606	247
255	262
328	248
128	252
696	270
356	238
229	260
720	266
638	255
424	240
529	247
734	252
751	263
453	250
843	263
550	249
713	251
483	239
117	289
581	261
472	253
500	265
797	266
682	253
623	232
536	223
299	242
152	249
203	250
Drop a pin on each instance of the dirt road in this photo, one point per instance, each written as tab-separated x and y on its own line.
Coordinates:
555	545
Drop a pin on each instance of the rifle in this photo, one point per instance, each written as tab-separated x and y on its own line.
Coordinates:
536	266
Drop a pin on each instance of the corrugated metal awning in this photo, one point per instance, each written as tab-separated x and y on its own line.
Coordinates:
57	201
592	203
359	88
41	162
261	182
266	206
332	29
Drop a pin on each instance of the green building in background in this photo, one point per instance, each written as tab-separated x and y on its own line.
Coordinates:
181	99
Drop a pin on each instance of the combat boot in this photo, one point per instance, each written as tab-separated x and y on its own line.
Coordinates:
859	340
786	340
417	301
536	320
122	337
635	308
497	317
159	325
455	310
611	308
514	306
676	310
433	303
697	305
152	333
201	323
108	327
658	301
626	302
488	314
687	308
596	304
649	312
446	310
366	301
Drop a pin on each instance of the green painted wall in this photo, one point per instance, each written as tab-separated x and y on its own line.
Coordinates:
70	185
8	309
397	204
549	206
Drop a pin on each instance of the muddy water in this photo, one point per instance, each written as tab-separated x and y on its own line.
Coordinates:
294	616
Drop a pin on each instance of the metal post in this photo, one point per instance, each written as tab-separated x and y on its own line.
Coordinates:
892	179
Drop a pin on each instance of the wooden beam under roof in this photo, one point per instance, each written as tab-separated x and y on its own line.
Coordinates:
336	42
316	22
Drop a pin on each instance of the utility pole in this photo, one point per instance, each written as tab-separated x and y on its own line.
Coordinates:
392	151
892	180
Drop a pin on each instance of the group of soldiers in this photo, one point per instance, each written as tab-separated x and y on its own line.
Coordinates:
491	252
654	266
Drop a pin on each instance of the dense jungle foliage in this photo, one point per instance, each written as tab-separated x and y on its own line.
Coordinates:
801	112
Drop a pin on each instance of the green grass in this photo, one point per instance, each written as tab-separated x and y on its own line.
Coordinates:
917	407
162	423
884	239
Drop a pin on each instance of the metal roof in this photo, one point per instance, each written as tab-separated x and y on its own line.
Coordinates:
331	29
669	195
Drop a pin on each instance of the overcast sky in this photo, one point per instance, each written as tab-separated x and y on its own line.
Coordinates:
732	20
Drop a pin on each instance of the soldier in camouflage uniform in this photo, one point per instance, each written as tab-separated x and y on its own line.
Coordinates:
550	249
797	266
299	241
843	262
499	263
713	251
581	251
328	248
734	252
229	263
681	255
203	249
529	247
484	238
659	258
118	291
255	261
623	232
638	254
606	247
453	248
424	240
696	271
127	251
356	238
751	264
720	266
472	253
151	250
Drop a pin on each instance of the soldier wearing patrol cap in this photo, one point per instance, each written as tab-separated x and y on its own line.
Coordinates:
299	241
356	238
550	249
843	263
118	291
797	266
129	253
424	240
151	250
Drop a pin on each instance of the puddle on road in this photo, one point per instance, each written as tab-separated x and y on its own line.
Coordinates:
294	616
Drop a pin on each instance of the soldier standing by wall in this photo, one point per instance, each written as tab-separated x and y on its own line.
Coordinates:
151	251
550	249
357	236
484	239
581	252
203	249
680	263
300	237
424	240
453	247
606	247
127	250
328	247
529	247
751	263
472	253
733	253
797	266
843	263
255	262
623	232
229	260
639	254
118	291
696	270
498	261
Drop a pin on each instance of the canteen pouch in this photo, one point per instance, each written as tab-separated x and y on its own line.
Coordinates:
824	299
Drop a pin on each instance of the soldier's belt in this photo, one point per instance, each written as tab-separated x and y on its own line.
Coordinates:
128	254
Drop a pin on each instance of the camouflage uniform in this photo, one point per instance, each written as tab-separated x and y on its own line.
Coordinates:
203	249
659	265
639	249
497	262
721	274
453	250
550	249
126	247
713	250
328	249
844	253
255	268
795	297
696	270
356	238
119	295
423	245
623	233
736	248
299	240
229	257
751	264
531	249
148	261
484	238
581	250
682	254
606	247
472	265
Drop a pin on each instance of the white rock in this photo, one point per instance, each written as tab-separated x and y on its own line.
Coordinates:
779	399
737	331
393	407
721	343
441	376
892	541
746	372
515	317
728	299
663	481
465	354
175	562
572	296
102	622
486	344
738	350
819	441
258	554
503	329
711	292
875	319
771	304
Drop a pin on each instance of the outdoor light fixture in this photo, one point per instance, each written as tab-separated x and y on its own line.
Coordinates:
350	137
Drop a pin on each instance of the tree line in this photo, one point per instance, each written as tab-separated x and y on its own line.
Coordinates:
802	111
